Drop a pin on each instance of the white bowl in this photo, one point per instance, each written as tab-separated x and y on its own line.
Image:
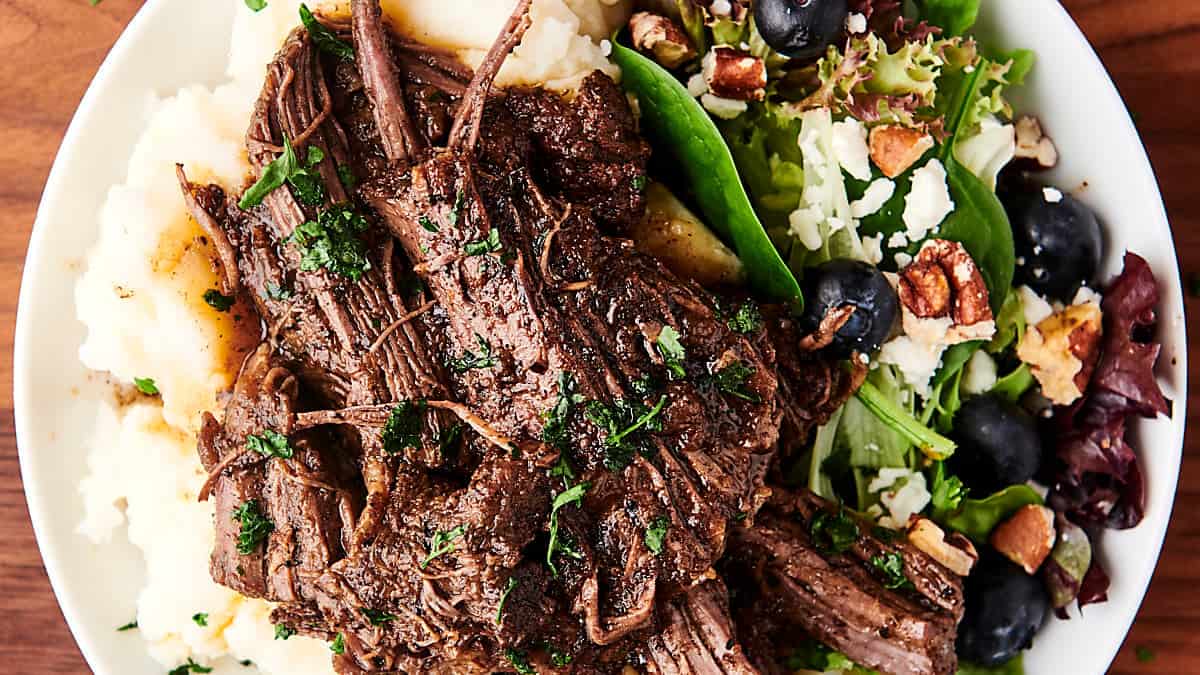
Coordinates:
171	43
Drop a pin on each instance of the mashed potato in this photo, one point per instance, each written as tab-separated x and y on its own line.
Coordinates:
141	299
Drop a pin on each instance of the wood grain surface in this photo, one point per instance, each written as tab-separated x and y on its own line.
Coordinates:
53	47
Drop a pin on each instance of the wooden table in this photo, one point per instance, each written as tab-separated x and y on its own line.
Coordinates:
53	47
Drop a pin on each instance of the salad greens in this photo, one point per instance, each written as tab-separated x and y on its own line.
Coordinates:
976	518
680	125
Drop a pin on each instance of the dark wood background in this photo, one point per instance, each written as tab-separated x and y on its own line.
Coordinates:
52	48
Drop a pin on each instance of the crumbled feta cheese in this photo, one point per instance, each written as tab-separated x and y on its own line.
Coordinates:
1035	307
980	375
873	248
902	492
697	86
898	240
902	259
850	148
725	108
987	152
917	361
1086	295
805	226
1052	195
928	202
721	8
856	23
877	194
606	48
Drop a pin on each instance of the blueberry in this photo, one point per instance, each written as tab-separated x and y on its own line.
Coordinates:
998	443
839	283
1058	240
1005	608
801	29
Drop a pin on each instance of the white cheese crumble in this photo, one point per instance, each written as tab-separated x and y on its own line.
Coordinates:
902	259
902	492
873	248
697	86
850	148
1052	195
917	361
606	48
1086	295
721	8
987	152
805	226
725	108
1035	307
877	194
928	202
856	23
980	374
898	240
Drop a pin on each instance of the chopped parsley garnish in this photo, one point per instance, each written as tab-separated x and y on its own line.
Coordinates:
656	534
273	177
948	492
200	619
338	646
489	244
270	444
278	292
323	38
639	183
890	568
508	589
558	658
556	419
256	5
746	320
132	625
558	543
626	422
472	361
378	617
255	527
672	352
460	201
645	385
403	427
346	175
443	543
146	385
221	303
833	534
282	632
732	380
519	661
307	183
332	242
427	223
190	667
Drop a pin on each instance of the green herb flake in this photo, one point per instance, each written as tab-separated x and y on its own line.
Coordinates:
346	176
460	201
273	177
558	658
558	544
427	223
221	303
323	38
255	527
656	534
190	667
278	292
489	244
472	361
443	543
556	419
731	380
200	619
270	444
672	352
508	589
146	385
639	183
256	5
519	661
338	646
378	617
626	423
948	492
282	632
132	625
833	534
890	568
746	320
403	427
332	242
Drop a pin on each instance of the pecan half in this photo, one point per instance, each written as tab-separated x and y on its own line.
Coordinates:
944	281
894	149
735	74
661	37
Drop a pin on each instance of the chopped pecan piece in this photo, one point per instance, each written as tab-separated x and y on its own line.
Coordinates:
661	37
1033	144
1027	537
1062	351
895	148
735	74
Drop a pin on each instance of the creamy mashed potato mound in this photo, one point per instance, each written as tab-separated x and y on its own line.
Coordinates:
142	301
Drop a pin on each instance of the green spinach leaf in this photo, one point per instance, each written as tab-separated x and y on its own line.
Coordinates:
954	17
976	518
678	124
